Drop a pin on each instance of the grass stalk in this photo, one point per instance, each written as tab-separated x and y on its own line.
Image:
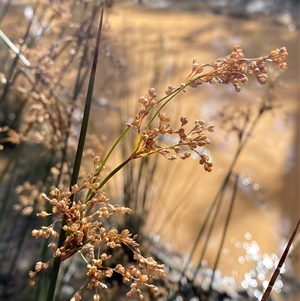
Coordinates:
280	263
90	194
79	153
11	72
4	9
236	180
218	198
77	88
217	203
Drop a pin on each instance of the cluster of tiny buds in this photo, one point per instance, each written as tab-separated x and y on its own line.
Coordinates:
279	56
205	161
96	272
139	278
45	232
169	90
39	266
148	103
82	225
234	69
140	275
192	139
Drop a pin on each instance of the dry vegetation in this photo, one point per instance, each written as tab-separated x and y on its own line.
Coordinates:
44	81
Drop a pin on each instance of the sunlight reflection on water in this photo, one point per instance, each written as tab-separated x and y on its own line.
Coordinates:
261	165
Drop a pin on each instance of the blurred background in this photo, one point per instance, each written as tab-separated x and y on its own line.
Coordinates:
153	44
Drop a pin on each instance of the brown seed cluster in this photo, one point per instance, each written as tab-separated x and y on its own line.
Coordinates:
194	139
139	276
235	69
148	103
82	220
147	270
151	139
84	231
29	198
12	136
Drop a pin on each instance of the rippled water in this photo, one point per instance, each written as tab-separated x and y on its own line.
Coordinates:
158	46
267	204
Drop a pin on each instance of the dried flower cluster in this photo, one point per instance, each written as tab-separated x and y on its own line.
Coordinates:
83	220
29	198
238	119
186	140
84	232
44	74
235	69
46	71
12	136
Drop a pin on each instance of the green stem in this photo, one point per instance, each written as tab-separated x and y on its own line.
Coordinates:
79	152
90	194
109	176
171	96
111	150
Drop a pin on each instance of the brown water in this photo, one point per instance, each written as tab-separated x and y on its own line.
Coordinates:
158	47
164	43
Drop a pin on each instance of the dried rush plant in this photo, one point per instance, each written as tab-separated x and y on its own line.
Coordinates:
46	50
81	213
241	121
79	218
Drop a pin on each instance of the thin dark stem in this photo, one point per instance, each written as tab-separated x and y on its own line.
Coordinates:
12	73
77	89
280	263
223	186
78	157
87	108
224	234
208	236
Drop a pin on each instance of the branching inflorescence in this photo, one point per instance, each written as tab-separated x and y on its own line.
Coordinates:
83	220
235	68
83	225
148	137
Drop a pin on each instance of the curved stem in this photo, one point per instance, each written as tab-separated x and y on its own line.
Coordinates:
106	179
111	150
174	93
90	194
111	174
